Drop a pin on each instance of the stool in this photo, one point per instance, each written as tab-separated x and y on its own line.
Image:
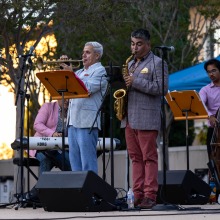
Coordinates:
31	161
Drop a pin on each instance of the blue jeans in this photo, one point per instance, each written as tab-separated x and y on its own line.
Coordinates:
82	149
49	159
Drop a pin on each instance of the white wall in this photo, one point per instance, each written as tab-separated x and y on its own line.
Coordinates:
177	161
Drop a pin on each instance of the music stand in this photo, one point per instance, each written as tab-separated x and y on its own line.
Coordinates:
63	84
186	105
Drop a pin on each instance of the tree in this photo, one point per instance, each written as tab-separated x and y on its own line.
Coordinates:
109	22
173	22
184	24
23	23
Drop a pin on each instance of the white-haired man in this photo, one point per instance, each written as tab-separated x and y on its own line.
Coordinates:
82	111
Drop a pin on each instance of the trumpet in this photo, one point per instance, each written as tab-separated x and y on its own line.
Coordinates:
40	63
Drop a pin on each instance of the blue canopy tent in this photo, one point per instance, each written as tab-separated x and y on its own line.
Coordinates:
192	78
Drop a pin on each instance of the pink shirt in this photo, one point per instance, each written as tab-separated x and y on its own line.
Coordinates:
210	95
46	121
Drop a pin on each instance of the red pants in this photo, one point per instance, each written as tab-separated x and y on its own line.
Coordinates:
142	149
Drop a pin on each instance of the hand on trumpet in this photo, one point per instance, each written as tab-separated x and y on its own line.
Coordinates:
65	65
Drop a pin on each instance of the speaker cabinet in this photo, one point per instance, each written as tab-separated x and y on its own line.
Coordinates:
67	191
182	187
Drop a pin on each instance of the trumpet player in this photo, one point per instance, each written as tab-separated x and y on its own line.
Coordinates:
143	119
82	111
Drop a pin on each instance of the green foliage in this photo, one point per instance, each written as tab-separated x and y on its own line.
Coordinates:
111	22
202	135
106	21
177	135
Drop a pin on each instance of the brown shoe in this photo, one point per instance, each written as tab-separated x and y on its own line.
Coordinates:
147	203
137	201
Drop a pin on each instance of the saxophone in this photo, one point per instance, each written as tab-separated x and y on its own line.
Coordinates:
120	94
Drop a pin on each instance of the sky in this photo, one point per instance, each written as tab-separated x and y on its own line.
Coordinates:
7	117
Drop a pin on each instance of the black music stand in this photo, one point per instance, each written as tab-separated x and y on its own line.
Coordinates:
63	84
186	105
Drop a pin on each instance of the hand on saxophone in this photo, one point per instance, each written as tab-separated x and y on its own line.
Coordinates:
128	80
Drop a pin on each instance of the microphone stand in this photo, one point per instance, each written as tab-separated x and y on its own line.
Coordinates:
21	201
109	90
63	134
28	122
103	128
111	124
27	96
165	206
103	150
22	95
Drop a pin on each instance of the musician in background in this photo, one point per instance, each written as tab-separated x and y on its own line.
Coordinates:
210	95
143	120
48	123
82	137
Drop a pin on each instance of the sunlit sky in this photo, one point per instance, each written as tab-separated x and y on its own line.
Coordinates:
7	117
7	105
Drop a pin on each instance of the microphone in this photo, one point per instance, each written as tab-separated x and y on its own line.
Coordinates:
171	48
30	53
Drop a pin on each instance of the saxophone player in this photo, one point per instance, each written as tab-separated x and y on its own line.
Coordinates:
143	116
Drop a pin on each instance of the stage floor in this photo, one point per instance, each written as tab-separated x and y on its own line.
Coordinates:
189	212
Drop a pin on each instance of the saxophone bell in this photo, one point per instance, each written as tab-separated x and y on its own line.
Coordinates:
120	104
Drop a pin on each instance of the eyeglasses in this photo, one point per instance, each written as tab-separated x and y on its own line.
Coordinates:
213	71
